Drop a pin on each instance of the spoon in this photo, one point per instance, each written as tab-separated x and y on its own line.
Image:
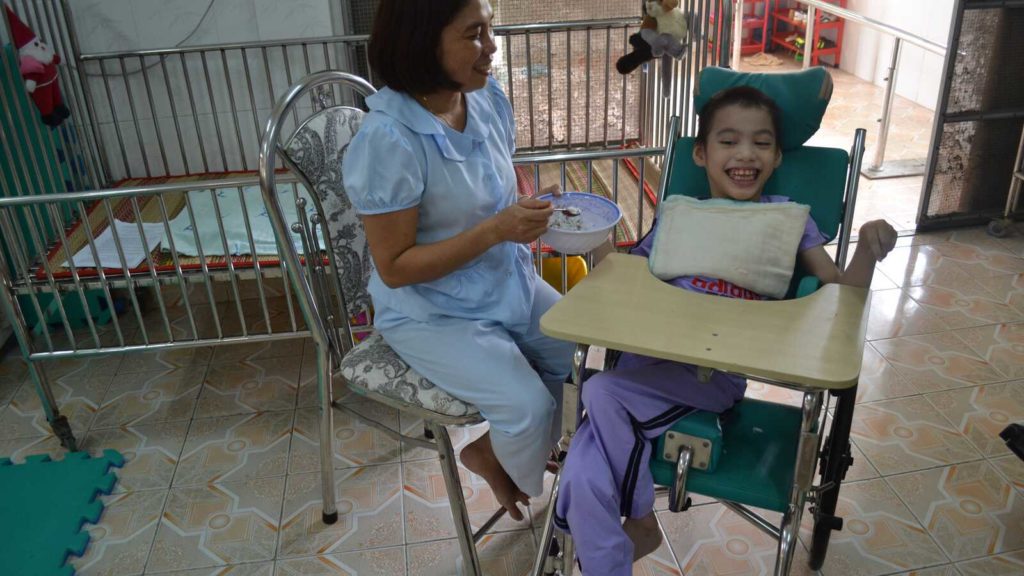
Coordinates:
569	211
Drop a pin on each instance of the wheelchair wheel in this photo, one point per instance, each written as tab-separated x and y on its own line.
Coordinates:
836	459
999	228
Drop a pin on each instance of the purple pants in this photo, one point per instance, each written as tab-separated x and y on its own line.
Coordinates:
606	474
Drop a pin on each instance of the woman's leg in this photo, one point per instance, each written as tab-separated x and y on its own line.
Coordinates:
480	363
606	475
551	357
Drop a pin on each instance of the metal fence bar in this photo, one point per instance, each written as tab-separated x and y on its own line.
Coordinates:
144	70
135	117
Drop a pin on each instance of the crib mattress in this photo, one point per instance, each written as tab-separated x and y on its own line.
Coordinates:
149	209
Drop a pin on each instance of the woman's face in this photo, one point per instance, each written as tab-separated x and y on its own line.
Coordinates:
467	44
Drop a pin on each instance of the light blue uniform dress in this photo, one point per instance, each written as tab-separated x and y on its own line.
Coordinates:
475	332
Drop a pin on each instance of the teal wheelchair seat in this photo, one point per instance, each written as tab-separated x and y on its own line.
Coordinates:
752	452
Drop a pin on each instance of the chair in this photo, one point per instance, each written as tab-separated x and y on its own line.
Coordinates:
331	296
764	454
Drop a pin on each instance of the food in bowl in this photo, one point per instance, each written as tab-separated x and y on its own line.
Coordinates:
584	232
562	221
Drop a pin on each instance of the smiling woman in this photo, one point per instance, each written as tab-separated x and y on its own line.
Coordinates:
454	289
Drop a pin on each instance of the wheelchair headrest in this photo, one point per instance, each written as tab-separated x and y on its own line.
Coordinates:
801	96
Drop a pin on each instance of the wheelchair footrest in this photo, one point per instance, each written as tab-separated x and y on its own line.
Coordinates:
756	460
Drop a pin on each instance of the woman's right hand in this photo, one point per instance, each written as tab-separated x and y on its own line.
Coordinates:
522	222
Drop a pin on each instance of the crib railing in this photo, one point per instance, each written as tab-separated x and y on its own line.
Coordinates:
144	296
196	110
180	290
193	110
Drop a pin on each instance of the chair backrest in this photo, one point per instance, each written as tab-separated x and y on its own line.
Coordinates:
315	152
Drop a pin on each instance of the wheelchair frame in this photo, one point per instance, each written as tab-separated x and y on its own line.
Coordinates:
828	455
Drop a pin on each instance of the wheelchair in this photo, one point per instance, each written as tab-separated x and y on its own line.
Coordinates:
758	454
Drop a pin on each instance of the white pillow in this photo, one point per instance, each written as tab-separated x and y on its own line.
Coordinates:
751	244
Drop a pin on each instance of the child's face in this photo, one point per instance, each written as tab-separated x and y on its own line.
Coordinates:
740	154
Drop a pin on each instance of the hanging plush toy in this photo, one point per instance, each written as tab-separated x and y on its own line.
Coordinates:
641	49
662	32
38	65
671	29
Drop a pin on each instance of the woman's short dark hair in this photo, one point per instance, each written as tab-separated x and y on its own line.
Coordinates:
405	44
743	96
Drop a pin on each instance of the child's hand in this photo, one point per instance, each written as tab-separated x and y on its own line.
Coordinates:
879	237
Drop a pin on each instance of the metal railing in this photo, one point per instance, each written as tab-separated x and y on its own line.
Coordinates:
876	168
199	109
197	295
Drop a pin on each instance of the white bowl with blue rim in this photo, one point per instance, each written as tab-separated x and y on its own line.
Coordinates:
580	234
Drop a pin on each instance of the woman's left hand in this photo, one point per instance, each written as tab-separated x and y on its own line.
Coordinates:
554	190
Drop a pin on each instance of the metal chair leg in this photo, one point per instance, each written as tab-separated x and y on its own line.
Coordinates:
324	380
544	542
58	422
450	471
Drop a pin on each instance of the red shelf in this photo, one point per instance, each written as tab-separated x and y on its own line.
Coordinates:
751	42
784	17
783	26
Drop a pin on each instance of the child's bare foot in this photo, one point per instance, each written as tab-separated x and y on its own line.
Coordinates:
479	458
644	533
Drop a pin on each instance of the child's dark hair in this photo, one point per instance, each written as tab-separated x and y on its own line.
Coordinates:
744	96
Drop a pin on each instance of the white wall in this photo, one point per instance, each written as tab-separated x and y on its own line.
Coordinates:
220	113
117	25
867	52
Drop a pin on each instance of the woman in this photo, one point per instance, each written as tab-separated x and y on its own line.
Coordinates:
430	172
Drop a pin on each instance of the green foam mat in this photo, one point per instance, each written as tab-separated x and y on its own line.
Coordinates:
43	505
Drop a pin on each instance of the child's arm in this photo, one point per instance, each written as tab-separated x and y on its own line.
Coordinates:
876	239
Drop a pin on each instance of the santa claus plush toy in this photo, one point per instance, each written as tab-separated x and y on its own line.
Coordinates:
38	65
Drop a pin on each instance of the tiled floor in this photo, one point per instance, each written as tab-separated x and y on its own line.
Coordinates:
222	451
222	445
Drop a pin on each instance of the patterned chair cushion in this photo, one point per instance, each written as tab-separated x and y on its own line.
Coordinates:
316	149
372	366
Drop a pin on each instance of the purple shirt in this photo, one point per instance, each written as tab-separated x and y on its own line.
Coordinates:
812	237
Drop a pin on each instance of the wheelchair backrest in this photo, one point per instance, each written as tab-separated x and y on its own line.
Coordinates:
809	175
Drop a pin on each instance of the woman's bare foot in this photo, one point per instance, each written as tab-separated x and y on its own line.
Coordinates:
644	533
479	458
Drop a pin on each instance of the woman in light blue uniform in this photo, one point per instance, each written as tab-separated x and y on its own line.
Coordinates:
455	293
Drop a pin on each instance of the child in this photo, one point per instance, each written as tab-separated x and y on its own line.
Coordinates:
606	475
